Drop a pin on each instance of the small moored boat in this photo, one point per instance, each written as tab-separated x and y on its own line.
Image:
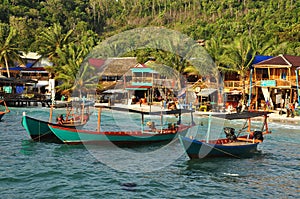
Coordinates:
233	145
39	130
2	113
147	134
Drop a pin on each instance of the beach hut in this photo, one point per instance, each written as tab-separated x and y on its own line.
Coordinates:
274	81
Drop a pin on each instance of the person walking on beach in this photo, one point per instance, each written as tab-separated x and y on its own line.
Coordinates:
290	110
281	106
287	109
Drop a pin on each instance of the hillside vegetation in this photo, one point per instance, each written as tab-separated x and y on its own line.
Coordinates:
275	22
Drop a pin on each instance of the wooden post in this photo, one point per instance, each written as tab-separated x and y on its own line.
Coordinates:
256	97
208	128
192	118
249	125
179	121
82	112
290	77
99	120
142	123
51	113
266	123
161	120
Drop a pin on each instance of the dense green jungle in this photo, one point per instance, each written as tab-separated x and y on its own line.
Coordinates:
276	20
232	31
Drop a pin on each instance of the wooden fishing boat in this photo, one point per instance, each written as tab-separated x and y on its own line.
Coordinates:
2	113
147	134
39	130
233	145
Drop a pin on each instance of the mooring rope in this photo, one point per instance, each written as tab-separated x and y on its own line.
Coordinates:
230	154
39	137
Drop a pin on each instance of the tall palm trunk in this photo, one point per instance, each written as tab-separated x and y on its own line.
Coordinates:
7	68
243	77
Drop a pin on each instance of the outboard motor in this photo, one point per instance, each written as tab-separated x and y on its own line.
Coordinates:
258	135
230	133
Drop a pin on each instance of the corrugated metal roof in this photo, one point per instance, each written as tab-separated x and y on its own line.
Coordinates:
30	55
281	60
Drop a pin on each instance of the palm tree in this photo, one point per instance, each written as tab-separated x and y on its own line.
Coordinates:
216	49
9	52
51	40
74	76
239	57
86	80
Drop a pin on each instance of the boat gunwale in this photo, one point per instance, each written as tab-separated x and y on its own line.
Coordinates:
222	145
124	133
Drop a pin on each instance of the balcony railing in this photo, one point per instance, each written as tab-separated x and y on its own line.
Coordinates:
168	83
234	84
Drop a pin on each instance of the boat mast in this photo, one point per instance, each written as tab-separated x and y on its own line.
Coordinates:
52	87
142	123
99	119
249	125
161	121
265	125
208	128
51	113
297	83
82	112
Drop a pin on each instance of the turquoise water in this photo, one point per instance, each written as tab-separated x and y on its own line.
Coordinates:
47	170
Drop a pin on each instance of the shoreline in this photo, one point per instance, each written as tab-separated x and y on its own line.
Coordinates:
276	117
273	117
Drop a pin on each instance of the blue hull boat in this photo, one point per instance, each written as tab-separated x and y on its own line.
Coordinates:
236	146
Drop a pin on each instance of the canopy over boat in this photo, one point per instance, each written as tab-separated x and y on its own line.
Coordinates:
162	112
241	115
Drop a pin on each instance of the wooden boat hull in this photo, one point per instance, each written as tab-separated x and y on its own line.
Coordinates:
39	130
196	149
77	136
1	115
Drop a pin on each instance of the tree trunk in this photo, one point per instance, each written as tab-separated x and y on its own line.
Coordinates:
243	87
7	68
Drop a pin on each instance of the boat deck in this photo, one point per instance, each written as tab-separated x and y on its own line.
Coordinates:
237	143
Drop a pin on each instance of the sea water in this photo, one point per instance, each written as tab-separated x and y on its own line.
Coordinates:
47	170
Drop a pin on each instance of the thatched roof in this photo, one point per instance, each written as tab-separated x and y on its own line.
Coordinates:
114	66
279	62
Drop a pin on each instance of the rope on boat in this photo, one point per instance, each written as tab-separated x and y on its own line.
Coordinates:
39	137
230	154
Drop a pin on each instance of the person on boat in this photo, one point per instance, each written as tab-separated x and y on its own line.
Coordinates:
239	107
172	105
60	119
151	125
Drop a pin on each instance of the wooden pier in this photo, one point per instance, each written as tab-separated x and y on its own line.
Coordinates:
14	100
27	102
